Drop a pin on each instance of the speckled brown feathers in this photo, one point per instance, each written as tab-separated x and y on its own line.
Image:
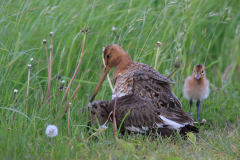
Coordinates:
142	113
143	118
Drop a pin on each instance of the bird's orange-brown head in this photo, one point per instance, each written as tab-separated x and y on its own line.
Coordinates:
199	71
114	56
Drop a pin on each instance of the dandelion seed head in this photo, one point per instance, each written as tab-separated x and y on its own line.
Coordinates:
51	131
44	41
177	62
204	120
113	29
15	91
51	34
159	44
29	66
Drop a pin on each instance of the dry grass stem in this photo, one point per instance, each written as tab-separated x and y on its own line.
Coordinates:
69	110
75	73
75	92
108	118
114	117
109	80
50	73
172	73
29	72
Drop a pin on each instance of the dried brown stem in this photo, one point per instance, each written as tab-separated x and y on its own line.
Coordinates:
108	118
114	118
172	72
69	110
75	73
50	73
29	71
109	81
75	92
47	55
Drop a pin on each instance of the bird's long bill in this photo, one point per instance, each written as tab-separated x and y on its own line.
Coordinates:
104	74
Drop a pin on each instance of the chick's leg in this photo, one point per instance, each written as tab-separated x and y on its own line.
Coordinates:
190	105
198	106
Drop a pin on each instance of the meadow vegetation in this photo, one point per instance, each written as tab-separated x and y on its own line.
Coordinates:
198	31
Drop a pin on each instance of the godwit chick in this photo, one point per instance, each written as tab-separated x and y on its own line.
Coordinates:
146	93
196	87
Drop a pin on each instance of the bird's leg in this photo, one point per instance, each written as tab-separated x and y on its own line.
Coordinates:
198	106
190	105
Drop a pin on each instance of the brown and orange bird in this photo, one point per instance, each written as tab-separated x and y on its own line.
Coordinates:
196	87
146	93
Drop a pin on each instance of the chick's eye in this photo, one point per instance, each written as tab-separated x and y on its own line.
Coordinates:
102	114
202	72
108	56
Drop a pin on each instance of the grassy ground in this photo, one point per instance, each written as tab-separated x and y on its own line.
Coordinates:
200	31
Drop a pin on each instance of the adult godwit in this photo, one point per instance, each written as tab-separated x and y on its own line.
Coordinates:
146	93
196	87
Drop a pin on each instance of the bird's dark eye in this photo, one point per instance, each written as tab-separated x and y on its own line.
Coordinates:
108	56
202	72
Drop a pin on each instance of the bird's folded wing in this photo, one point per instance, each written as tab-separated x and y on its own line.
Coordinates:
149	71
160	95
142	113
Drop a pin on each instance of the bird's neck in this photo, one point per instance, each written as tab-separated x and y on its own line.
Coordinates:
122	66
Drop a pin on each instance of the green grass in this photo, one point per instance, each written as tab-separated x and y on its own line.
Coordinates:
199	31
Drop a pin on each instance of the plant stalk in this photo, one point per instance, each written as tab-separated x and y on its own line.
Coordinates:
69	110
75	73
156	60
172	72
29	71
75	92
114	117
109	81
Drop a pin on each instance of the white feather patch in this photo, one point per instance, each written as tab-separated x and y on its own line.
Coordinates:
159	125
172	124
119	93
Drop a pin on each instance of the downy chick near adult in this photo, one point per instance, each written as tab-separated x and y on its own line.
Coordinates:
196	87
